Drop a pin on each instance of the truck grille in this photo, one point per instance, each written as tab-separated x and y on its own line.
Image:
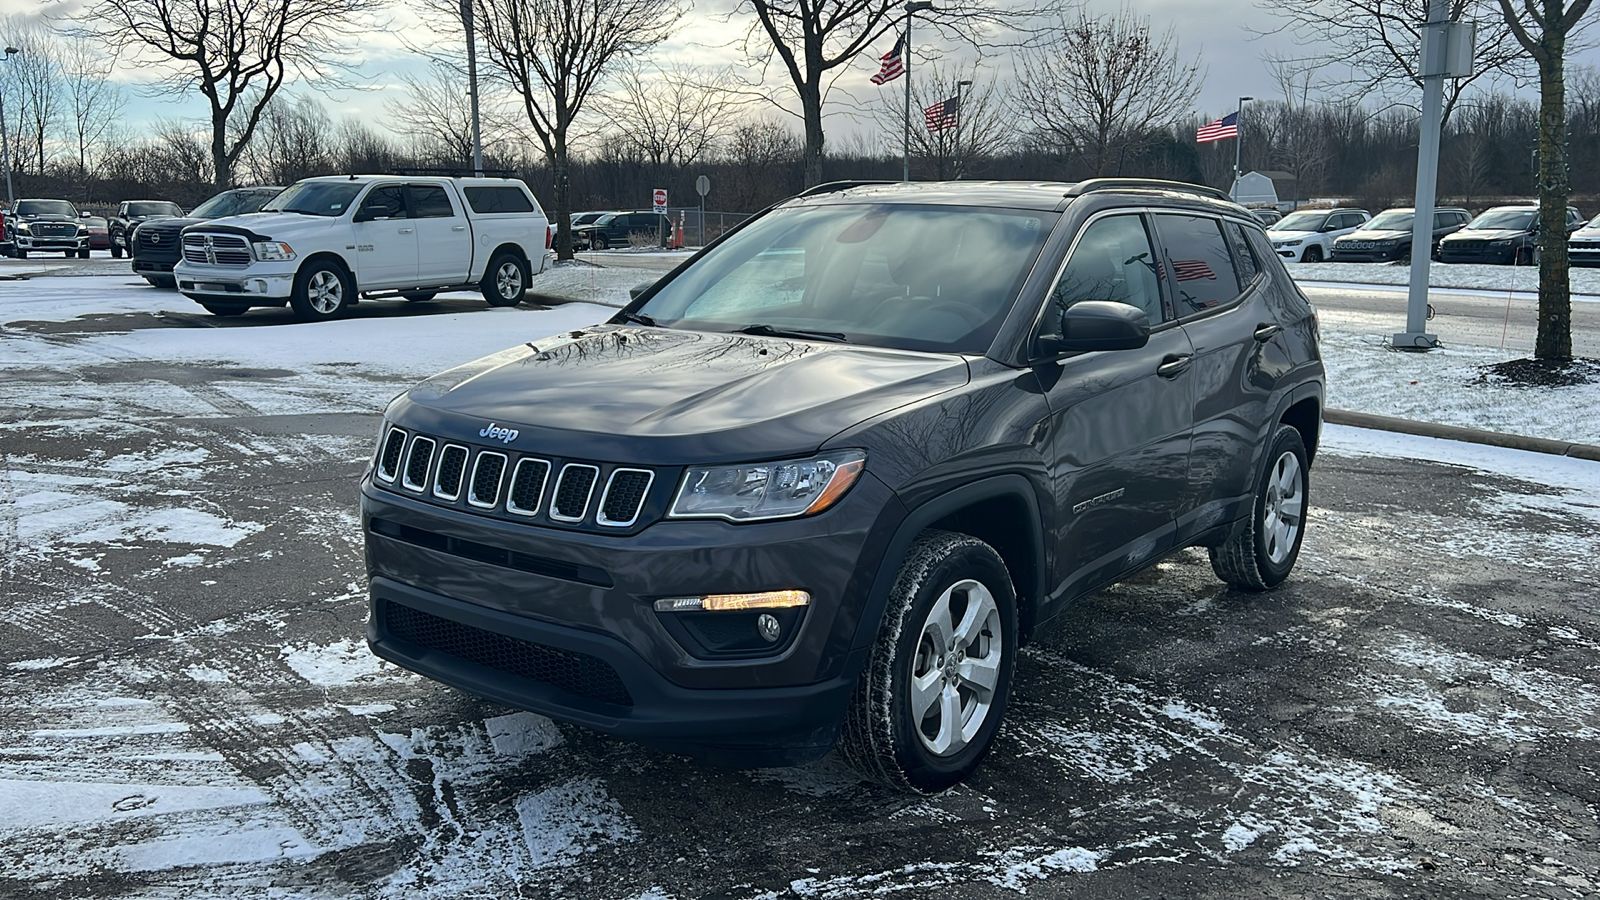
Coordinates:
54	229
216	250
578	674
492	482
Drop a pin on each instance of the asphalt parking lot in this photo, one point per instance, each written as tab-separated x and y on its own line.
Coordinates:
188	707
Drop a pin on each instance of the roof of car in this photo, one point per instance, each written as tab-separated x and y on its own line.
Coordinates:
1038	195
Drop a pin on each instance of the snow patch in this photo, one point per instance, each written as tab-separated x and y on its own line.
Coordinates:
522	734
563	822
340	663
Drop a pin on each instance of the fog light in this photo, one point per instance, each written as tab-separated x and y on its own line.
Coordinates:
724	602
767	625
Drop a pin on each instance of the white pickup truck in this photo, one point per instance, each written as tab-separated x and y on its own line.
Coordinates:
325	242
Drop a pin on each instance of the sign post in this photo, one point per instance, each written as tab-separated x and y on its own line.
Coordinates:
659	195
702	186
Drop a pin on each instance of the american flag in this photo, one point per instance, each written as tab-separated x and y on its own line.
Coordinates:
943	114
894	63
1193	270
1221	129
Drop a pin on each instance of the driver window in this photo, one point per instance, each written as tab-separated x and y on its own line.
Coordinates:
385	202
1112	261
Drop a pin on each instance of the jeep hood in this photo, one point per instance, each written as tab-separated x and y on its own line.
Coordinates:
1384	234
1484	234
1291	235
669	397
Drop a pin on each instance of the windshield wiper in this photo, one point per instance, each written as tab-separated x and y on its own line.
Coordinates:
765	330
639	318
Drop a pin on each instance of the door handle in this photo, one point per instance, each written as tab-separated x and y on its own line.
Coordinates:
458	228
1174	365
405	231
1265	331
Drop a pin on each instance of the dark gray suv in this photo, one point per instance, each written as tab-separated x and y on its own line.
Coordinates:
817	484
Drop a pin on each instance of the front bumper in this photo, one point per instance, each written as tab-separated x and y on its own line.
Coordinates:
1489	255
1372	254
778	708
1584	254
34	242
258	284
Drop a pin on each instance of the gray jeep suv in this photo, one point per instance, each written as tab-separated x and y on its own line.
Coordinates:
817	484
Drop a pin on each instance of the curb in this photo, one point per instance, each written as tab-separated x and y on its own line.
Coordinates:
1456	433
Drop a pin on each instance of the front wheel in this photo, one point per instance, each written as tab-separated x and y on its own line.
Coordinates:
1523	257
1261	549
82	254
116	250
929	704
505	281
1312	255
22	254
322	290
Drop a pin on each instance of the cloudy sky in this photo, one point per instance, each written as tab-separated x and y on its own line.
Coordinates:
1222	33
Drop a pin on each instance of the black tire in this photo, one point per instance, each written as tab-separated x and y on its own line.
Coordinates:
1255	557
322	290
1312	255
116	250
599	242
420	296
21	254
82	254
883	738
162	281
1523	256
225	309
505	282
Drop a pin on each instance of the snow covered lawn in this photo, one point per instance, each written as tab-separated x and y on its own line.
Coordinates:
1585	281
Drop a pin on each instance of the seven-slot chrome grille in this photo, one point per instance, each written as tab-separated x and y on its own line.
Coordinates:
524	486
216	249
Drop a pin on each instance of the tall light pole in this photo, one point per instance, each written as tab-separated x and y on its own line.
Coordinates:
912	6
961	108
5	141
472	86
1238	144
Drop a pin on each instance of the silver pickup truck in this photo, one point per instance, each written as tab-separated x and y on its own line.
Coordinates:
324	243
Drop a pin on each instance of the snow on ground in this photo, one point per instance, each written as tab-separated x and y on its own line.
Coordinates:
1585	282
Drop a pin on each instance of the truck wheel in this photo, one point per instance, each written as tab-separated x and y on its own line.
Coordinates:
224	309
1261	549
116	250
161	281
929	704
22	254
82	254
599	242
505	281
322	290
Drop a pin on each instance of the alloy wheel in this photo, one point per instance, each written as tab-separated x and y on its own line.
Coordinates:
325	291
1284	510
956	668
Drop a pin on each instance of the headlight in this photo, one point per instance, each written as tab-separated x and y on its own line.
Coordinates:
1294	243
22	228
273	250
1504	243
83	230
771	490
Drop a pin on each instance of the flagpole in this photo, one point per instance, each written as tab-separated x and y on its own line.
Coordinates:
1238	145
912	6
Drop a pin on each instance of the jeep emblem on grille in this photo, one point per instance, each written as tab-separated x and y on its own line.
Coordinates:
496	433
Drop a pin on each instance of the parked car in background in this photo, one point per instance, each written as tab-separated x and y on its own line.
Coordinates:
47	225
586	218
1307	235
131	213
99	232
1267	216
1503	235
325	243
1388	236
1583	247
621	229
154	243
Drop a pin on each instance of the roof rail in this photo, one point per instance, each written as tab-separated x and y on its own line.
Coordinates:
1156	184
832	186
454	173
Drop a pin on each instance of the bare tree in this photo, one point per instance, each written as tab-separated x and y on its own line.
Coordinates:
761	156
437	114
554	54
1542	29
981	125
672	115
1098	86
1378	44
94	101
31	85
236	54
293	141
813	38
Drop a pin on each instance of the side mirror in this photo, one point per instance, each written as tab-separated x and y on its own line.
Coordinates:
84	214
641	287
1097	325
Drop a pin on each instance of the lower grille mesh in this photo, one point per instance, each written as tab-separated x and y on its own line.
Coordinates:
576	673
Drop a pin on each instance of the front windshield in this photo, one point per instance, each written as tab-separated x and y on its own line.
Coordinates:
1393	220
154	208
1504	219
45	208
316	198
233	203
1301	221
939	278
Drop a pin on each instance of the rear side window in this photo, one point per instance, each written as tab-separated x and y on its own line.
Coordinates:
1202	267
1249	266
429	201
1112	261
498	200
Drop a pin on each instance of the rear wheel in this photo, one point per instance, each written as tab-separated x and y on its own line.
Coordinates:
1261	549
505	281
322	290
929	704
